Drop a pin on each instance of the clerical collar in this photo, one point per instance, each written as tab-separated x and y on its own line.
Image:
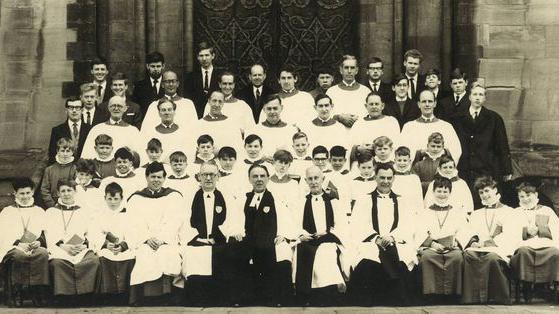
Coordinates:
63	206
128	174
350	84
279	124
108	159
208	194
424	119
204	159
168	126
434	157
401	99
403	171
153	192
382	195
21	205
368	117
363	179
210	117
174	97
319	122
440	207
380	161
63	161
179	176
317	197
230	99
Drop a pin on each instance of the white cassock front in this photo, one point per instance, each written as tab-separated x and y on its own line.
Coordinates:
14	220
398	224
116	223
325	269
366	130
185	114
175	138
349	99
122	134
326	133
409	186
415	134
130	183
238	110
156	215
274	137
460	196
225	131
298	107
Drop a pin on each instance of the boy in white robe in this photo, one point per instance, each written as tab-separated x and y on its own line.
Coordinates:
223	129
324	129
254	154
205	151
275	133
122	133
213	257
382	235
104	160
301	155
374	124
415	133
128	180
157	214
283	185
323	223
111	231
74	266
365	182
407	183
186	115
461	195
87	192
179	179
341	176
231	180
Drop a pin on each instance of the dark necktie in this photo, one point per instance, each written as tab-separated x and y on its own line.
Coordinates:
88	118
412	87
100	92
75	132
474	116
457	100
206	81
375	87
257	96
155	92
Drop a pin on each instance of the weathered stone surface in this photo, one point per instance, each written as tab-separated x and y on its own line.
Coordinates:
501	72
542	73
500	15
542	12
504	100
552	41
20	43
545	132
519	132
536	106
515	42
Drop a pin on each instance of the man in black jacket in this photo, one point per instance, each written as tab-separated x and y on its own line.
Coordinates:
375	70
458	102
150	89
199	83
401	106
255	93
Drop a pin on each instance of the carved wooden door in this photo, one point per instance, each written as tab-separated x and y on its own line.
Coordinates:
306	34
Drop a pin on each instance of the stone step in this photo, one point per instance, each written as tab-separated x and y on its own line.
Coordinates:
6	190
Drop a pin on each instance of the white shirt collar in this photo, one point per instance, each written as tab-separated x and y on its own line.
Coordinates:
158	80
472	110
71	124
413	77
460	95
401	99
349	85
210	70
254	89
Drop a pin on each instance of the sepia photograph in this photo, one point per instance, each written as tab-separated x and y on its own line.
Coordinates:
297	156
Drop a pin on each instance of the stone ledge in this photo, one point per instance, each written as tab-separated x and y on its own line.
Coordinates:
20	163
537	160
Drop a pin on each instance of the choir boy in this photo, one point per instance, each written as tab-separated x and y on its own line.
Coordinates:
63	168
407	183
104	160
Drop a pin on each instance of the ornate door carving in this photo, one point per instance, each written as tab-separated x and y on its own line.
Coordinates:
304	33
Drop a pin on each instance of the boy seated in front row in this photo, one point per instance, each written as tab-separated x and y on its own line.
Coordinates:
179	179
63	168
301	157
460	196
406	183
426	161
87	192
104	161
364	183
283	186
125	175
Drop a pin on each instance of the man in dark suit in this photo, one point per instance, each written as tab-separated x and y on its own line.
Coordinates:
199	83
73	128
88	96
401	106
433	83
100	72
119	87
256	91
482	134
149	89
375	70
458	102
416	82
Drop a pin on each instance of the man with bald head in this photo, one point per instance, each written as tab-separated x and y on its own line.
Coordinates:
323	227
224	130
119	87
122	133
185	113
255	93
212	234
415	133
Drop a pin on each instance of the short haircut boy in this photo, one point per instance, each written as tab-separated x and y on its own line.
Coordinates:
227	152
284	156
485	182
65	182
382	141
442	182
436	138
112	189
399	78
154	57
319	97
338	151
319	150
86	165
204	139
22	183
299	135
124	153
526	187
253	137
177	156
64	143
155	145
364	156
402	151
103	139
446	159
155	167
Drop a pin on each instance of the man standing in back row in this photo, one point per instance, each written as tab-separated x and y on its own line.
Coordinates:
255	93
199	83
149	89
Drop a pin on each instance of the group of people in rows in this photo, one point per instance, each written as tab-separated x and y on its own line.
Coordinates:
365	193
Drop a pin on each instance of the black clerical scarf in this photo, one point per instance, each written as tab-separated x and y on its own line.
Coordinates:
261	224
149	194
308	218
198	217
374	212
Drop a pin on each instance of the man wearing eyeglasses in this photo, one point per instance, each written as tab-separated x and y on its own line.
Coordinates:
211	241
119	87
122	133
375	71
73	128
185	112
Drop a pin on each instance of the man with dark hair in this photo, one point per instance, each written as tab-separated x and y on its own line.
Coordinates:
199	83
458	102
158	260
324	80
149	89
375	71
100	72
255	93
119	87
416	82
401	107
73	128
